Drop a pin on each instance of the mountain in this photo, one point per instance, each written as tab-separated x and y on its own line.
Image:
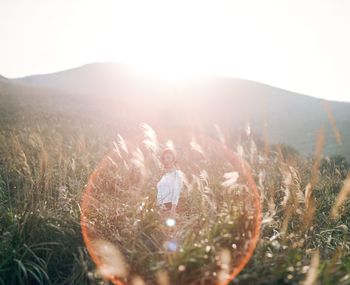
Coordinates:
90	79
117	92
3	79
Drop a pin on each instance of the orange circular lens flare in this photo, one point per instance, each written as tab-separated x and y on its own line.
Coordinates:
89	234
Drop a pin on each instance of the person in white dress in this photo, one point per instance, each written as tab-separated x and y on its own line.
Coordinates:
170	185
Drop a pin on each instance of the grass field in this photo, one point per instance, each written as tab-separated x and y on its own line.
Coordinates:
45	164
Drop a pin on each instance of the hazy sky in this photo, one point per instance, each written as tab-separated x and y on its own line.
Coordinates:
299	45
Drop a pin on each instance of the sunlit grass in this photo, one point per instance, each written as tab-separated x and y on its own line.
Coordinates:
45	167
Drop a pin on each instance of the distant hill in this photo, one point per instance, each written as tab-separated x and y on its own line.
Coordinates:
90	79
113	92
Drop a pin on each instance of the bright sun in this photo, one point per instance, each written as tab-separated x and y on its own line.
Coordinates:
178	39
167	71
256	40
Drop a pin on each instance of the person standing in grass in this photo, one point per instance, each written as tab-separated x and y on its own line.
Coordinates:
170	185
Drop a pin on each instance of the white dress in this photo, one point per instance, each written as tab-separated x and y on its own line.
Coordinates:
169	187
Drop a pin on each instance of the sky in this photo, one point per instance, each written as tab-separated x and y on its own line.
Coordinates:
298	45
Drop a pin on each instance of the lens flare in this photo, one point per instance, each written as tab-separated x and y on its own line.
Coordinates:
171	245
170	222
218	216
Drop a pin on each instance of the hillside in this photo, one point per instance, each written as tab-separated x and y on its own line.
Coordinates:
74	185
115	91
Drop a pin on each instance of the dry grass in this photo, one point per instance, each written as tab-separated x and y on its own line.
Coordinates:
43	171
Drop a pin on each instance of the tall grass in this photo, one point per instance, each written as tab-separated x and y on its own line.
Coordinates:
216	211
42	174
45	167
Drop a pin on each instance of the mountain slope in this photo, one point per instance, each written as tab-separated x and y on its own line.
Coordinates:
118	92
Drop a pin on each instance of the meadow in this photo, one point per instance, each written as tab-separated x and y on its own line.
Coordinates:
45	166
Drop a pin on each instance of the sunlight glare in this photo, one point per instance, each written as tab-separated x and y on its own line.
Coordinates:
168	72
170	222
